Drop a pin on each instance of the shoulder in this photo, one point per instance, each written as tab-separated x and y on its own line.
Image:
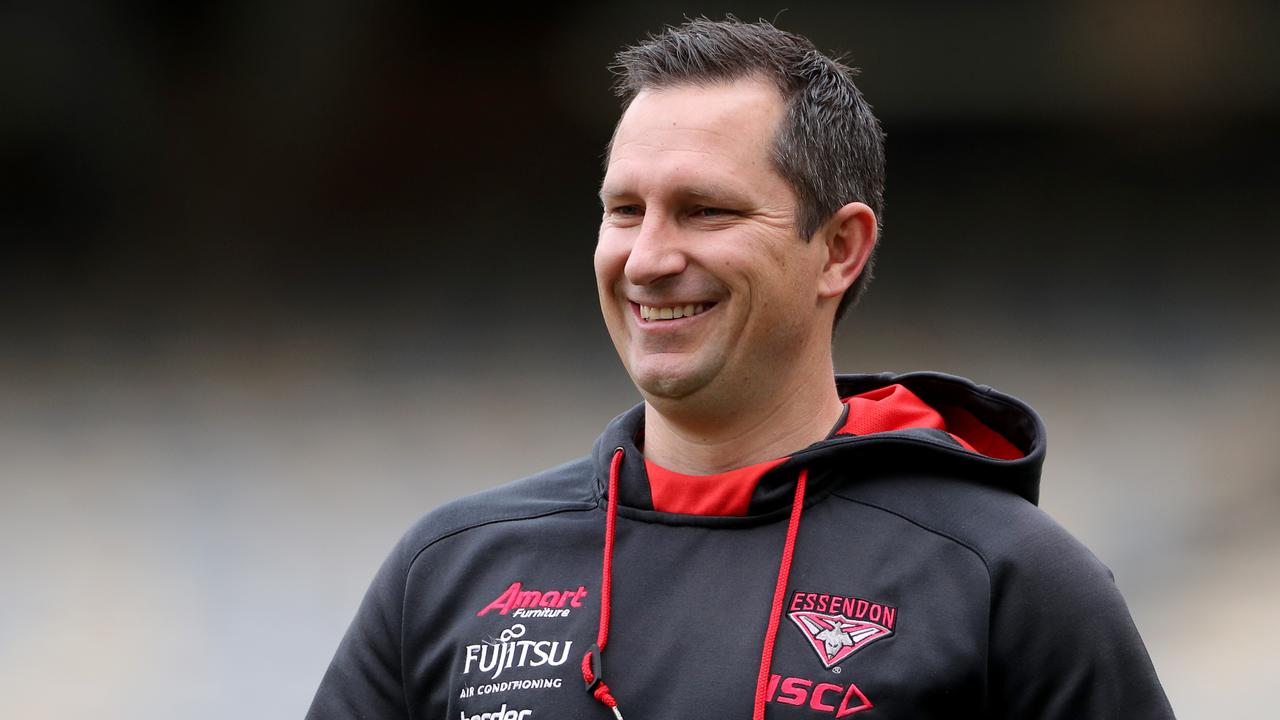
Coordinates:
1004	530
565	488
1060	639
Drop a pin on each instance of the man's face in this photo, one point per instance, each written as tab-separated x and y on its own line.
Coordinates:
704	283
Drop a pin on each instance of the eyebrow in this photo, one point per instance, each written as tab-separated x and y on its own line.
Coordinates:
707	191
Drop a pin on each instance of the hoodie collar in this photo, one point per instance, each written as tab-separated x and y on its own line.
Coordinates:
967	430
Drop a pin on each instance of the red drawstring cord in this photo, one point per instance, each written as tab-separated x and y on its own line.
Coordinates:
592	668
779	593
606	573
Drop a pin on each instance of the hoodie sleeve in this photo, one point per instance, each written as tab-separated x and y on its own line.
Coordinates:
1063	644
365	678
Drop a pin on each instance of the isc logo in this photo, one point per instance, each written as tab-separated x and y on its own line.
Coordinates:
823	697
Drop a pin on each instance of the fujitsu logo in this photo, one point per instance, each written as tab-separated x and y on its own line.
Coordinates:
849	624
535	603
509	651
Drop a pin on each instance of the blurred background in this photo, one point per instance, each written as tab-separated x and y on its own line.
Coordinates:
279	277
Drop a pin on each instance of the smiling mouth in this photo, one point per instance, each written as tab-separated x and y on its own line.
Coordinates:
656	313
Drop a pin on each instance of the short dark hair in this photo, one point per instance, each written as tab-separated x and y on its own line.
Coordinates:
829	147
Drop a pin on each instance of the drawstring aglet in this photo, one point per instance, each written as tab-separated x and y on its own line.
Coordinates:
617	713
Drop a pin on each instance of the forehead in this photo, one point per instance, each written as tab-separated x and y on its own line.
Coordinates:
720	136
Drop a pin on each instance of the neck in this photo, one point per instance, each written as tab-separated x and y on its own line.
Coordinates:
761	428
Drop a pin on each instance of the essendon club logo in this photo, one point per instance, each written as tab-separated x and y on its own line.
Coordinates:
837	627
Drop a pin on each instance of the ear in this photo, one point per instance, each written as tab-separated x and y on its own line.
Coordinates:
849	236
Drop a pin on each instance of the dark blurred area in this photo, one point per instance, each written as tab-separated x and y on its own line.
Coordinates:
281	276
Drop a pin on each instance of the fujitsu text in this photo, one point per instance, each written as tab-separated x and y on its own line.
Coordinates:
511	652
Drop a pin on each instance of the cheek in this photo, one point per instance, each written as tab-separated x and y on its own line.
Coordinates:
610	258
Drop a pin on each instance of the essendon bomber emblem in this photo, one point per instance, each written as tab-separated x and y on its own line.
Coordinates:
847	625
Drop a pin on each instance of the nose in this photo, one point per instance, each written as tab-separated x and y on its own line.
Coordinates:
656	253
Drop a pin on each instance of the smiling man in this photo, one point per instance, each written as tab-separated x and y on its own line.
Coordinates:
719	309
760	537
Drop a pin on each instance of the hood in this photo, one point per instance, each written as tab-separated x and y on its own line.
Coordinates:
912	423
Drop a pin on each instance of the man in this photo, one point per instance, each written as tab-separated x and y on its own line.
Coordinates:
760	537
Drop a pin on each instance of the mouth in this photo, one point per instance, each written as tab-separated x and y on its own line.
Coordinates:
666	313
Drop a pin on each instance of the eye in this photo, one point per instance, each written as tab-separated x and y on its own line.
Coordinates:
625	210
708	212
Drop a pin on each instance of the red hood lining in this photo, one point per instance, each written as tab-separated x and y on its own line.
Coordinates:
894	407
884	409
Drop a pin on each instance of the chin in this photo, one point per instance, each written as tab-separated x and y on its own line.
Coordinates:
670	383
666	388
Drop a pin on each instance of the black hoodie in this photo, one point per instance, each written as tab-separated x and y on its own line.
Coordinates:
919	580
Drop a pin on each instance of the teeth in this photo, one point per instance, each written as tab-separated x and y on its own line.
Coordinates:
676	312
